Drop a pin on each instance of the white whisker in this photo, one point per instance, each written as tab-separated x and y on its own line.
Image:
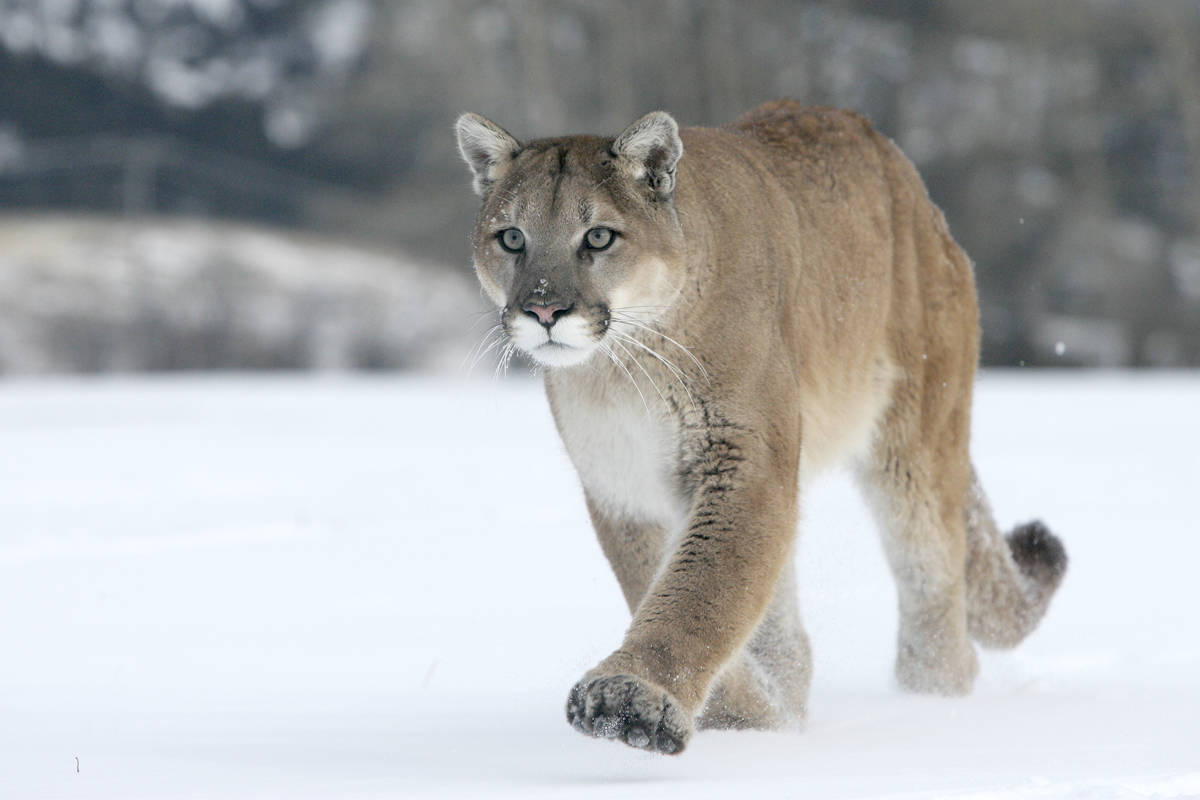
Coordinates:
638	364
486	335
479	357
675	371
509	350
470	357
637	308
622	318
502	361
480	316
617	361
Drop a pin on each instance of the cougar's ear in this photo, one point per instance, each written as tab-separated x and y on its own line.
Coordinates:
487	148
652	147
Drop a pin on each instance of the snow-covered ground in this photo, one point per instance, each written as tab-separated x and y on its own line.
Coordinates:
384	587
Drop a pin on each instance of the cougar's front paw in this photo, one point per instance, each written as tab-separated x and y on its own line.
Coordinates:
629	709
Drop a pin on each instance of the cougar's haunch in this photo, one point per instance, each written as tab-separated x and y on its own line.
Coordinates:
721	313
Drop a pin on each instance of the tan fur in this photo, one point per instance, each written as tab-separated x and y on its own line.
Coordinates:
781	296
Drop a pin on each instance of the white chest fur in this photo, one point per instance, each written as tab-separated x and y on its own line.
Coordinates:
624	454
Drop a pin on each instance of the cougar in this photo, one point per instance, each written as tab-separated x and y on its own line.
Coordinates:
720	314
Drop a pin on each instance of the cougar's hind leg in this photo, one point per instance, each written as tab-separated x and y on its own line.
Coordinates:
741	699
916	481
780	646
766	685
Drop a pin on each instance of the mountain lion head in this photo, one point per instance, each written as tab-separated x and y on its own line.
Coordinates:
575	235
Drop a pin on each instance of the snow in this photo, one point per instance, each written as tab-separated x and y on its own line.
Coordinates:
384	587
80	293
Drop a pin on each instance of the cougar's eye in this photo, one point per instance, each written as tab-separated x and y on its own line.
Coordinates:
598	238
512	240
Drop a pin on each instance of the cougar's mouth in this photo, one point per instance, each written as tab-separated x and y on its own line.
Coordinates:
566	342
553	353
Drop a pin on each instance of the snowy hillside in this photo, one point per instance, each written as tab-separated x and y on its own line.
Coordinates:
306	587
96	294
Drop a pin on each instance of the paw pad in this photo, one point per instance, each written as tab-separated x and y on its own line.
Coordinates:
630	710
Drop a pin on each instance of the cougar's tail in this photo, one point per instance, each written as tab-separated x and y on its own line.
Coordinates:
1010	579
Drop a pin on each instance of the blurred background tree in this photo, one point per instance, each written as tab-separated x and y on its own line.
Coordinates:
1062	139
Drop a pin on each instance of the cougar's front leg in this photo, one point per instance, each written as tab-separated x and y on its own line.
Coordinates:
706	600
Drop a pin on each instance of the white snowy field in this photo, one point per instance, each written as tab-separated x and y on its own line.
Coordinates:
384	587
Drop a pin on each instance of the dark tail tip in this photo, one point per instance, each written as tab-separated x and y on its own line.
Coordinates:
1038	552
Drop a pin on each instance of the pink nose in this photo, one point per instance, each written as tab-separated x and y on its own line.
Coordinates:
545	314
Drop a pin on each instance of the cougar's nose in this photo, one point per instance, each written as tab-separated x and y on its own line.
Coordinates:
546	315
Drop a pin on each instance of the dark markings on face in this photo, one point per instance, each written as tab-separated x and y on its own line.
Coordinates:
559	163
558	176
